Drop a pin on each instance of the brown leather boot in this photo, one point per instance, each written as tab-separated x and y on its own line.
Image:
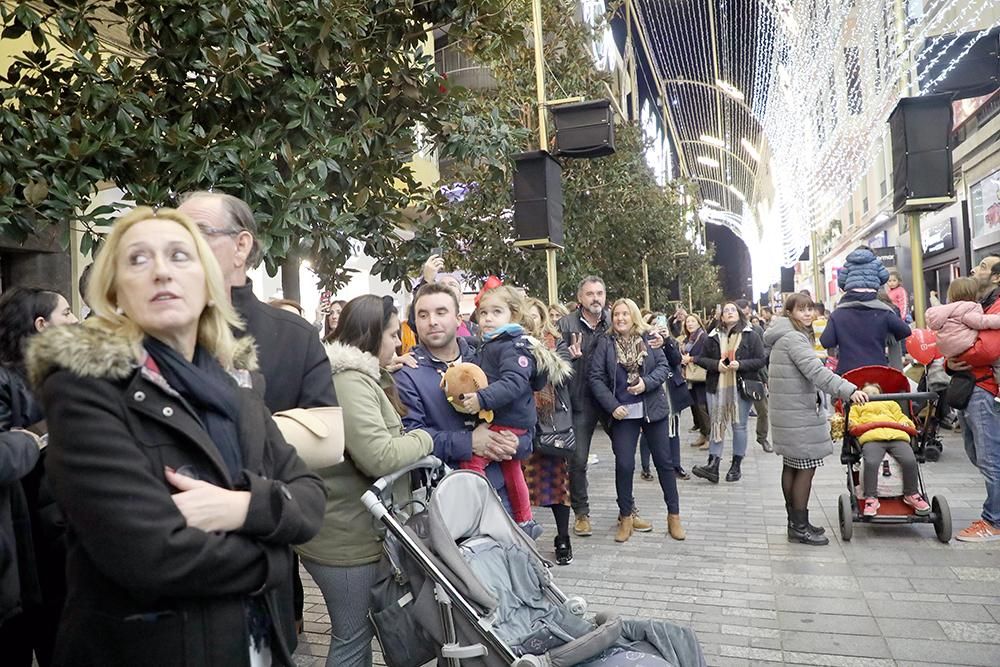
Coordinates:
674	527
624	529
639	524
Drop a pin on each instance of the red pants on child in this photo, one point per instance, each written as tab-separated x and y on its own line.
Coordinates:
513	477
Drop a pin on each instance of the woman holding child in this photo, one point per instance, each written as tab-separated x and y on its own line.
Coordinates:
798	423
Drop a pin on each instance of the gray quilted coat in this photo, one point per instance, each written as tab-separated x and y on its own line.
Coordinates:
799	428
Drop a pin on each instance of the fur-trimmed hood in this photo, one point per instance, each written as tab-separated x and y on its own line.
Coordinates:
558	370
89	349
349	358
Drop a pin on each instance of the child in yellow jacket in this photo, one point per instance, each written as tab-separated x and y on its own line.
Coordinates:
876	442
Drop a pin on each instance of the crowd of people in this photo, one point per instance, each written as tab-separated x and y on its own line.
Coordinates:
152	512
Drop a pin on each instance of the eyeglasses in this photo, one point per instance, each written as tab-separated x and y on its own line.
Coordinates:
218	231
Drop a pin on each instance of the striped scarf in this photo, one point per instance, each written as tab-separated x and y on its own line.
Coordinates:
723	403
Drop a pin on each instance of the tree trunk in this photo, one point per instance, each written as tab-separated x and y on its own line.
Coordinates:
290	279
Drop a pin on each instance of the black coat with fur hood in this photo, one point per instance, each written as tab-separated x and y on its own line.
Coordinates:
143	587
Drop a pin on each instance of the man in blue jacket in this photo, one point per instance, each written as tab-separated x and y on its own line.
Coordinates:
456	435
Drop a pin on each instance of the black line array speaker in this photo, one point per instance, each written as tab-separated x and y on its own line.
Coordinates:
978	71
538	202
922	178
788	279
584	129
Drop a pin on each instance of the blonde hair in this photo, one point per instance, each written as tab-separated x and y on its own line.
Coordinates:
512	298
217	320
545	325
963	289
559	308
639	325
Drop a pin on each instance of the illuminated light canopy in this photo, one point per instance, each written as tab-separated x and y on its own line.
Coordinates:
707	161
751	151
730	89
711	202
739	195
713	141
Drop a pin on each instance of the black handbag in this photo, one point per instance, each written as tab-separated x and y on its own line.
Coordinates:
554	435
752	390
959	390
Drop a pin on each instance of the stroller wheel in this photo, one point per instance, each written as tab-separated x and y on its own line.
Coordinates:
933	451
942	518
527	661
576	605
846	517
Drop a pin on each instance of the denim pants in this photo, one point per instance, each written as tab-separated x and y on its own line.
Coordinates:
739	430
624	438
675	447
983	419
347	592
584	423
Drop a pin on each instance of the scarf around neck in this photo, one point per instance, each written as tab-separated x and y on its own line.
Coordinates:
724	401
630	351
206	386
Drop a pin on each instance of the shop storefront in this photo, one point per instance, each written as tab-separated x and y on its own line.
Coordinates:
942	238
984	216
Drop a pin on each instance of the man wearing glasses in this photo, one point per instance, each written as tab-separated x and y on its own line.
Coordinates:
295	367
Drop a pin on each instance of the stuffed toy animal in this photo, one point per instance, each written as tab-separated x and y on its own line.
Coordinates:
461	379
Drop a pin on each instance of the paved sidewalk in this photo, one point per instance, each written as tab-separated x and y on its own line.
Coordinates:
892	596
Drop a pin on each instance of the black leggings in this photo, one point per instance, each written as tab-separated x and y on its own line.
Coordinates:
561	514
796	485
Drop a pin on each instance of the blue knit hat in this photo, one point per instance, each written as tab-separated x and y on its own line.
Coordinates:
862	270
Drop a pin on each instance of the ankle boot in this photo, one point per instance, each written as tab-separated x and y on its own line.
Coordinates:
624	529
735	473
818	530
798	530
674	527
710	471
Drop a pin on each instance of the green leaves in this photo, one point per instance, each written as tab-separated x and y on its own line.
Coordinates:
307	110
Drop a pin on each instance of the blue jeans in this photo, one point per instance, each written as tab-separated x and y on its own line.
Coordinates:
739	430
624	438
983	419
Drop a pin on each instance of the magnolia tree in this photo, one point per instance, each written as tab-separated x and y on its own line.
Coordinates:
310	111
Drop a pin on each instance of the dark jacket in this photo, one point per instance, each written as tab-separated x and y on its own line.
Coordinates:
510	367
428	409
859	330
143	587
604	374
289	354
579	385
676	385
750	354
18	456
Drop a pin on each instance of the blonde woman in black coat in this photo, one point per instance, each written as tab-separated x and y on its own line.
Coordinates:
181	496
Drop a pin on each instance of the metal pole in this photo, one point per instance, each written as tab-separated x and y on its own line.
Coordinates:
550	261
917	266
690	301
645	282
543	133
817	279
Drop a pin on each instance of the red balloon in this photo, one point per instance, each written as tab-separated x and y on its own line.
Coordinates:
922	346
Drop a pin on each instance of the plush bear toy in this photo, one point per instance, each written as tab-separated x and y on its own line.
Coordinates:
461	379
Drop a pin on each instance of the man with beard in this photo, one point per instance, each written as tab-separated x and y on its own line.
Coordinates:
456	435
581	330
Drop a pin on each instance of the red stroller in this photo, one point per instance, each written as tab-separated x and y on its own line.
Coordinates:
892	509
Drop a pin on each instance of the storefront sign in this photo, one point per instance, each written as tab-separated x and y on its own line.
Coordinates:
984	205
886	255
937	233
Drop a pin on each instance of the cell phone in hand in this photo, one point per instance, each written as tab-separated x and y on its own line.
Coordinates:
661	321
439	251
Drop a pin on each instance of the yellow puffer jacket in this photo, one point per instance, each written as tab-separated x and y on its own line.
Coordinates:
880	411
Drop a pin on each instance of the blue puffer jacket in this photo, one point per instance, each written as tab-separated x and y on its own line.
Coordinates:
862	270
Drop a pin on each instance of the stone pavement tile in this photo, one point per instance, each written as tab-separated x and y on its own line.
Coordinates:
930	611
830	660
945	652
835	644
754	655
963	631
952	587
828	623
884	584
814	604
906	628
977	573
919	597
994	610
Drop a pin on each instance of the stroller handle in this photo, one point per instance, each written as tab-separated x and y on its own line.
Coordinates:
373	496
912	396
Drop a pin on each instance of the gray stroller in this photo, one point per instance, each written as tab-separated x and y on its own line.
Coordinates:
466	587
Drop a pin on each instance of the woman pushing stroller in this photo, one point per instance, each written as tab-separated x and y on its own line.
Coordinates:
885	438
